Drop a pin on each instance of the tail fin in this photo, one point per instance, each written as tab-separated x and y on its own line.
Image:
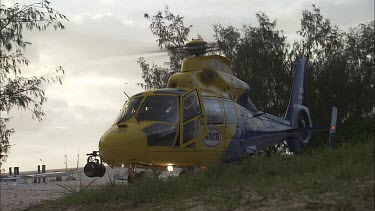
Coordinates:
297	94
297	114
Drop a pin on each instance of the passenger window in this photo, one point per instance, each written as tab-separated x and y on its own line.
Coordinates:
230	113
191	106
213	111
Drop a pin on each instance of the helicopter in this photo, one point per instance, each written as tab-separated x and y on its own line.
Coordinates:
204	116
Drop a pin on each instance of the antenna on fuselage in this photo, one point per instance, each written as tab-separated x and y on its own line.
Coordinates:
125	93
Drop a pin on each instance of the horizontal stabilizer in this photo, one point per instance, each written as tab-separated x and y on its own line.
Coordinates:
294	132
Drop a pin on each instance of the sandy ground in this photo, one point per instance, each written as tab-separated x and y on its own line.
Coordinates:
15	196
21	196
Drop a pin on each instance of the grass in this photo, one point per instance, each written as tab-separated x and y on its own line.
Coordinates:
315	179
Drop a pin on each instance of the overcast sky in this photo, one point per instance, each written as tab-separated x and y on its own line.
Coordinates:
99	50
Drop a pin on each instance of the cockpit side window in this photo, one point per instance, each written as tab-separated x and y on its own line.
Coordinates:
191	105
129	109
213	111
163	108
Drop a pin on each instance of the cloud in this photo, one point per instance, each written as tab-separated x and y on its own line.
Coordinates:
7	3
106	1
85	18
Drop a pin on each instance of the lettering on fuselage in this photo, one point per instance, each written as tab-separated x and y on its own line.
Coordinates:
213	138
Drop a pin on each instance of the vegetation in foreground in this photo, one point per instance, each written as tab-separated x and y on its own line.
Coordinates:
315	179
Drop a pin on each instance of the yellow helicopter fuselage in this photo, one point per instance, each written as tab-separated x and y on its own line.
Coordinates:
162	143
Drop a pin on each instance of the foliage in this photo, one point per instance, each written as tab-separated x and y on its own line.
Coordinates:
18	91
228	40
171	32
155	77
356	131
340	67
259	57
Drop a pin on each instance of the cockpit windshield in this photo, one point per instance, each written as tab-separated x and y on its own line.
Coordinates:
162	108
129	109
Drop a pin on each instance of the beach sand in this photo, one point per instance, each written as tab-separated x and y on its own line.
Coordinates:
21	196
15	196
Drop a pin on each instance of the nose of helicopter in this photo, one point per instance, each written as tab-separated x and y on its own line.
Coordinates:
123	144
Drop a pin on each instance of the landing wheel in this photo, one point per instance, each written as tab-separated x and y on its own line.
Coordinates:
186	171
183	172
142	174
93	169
94	166
101	171
90	169
132	176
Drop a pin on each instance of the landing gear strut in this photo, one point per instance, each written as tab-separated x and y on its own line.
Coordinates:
94	166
